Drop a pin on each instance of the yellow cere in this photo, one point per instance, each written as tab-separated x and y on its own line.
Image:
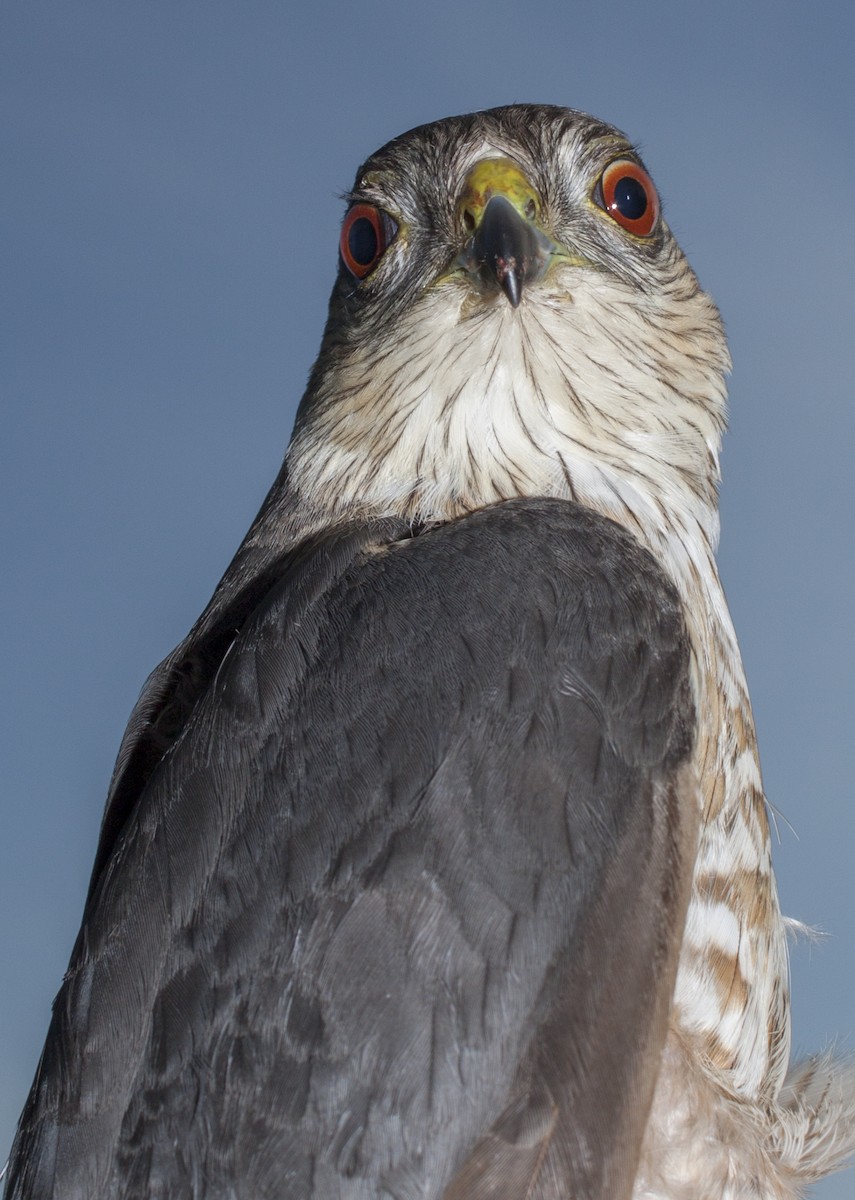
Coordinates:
496	177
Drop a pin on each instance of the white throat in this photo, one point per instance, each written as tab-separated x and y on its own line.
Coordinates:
539	410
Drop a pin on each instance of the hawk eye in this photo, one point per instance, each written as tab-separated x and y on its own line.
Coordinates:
627	194
365	234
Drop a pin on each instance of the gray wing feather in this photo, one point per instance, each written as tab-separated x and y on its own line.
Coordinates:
397	911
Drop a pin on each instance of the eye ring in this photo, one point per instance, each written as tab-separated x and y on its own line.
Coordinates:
365	236
627	194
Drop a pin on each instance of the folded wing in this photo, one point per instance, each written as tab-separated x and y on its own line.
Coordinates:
397	909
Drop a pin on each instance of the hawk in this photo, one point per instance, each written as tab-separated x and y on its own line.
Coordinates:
436	863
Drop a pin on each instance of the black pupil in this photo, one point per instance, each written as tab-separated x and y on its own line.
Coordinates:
630	198
362	242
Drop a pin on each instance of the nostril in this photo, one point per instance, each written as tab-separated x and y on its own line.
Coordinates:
531	210
469	219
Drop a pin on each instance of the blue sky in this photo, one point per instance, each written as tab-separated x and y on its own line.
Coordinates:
170	183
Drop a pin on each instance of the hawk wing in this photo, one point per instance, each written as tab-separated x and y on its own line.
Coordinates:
398	910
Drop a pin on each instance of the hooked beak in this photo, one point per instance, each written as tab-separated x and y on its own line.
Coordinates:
507	249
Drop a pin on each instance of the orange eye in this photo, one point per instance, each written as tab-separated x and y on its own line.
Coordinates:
629	196
365	234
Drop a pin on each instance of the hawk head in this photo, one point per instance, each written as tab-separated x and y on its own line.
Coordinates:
512	316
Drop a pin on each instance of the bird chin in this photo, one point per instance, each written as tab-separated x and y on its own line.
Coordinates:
488	302
553	287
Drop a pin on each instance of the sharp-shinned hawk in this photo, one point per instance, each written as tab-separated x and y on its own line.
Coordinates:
436	862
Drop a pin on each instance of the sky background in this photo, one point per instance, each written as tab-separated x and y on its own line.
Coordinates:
170	180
